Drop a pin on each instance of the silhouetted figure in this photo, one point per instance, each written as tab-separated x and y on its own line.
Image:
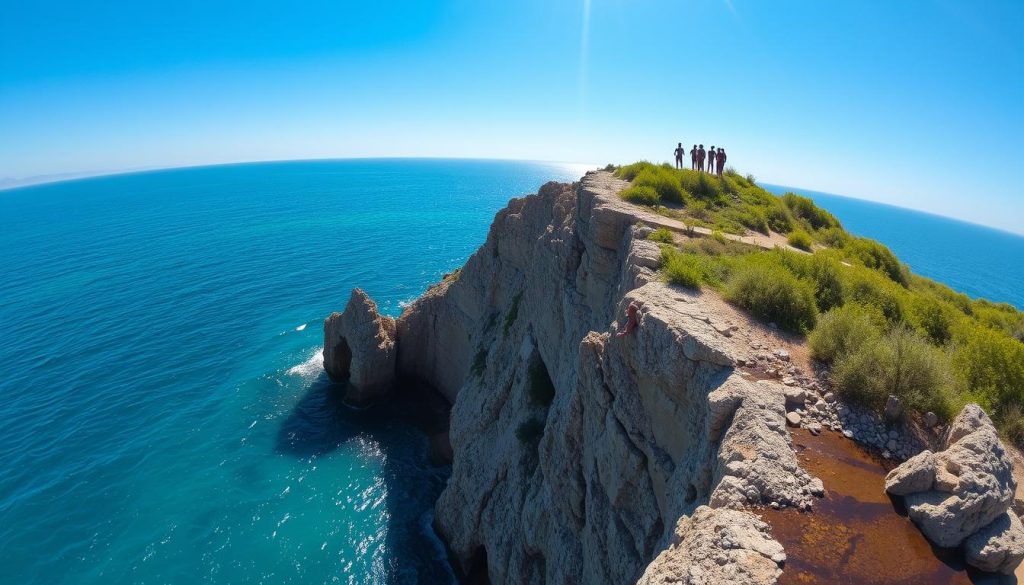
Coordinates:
701	154
693	158
680	151
711	160
721	160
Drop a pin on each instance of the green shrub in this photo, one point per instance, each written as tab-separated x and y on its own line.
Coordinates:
640	195
540	388
772	293
834	237
871	288
662	180
990	364
932	317
800	239
719	237
682	269
843	330
875	255
530	432
819	268
513	313
901	363
779	218
661	235
1011	421
806	210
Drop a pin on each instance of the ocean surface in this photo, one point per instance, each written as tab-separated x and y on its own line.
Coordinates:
164	414
973	259
162	407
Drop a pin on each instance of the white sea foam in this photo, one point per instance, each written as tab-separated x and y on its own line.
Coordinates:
300	327
310	368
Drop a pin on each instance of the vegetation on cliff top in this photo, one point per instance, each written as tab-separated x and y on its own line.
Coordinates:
883	329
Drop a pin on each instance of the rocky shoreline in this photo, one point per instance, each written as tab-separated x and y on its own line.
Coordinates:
583	456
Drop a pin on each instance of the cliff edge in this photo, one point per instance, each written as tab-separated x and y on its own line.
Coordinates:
581	455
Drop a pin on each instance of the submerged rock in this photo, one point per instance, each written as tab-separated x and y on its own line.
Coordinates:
359	347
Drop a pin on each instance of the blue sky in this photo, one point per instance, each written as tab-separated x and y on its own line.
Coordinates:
917	103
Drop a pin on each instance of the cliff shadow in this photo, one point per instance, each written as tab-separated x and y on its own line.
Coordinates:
405	428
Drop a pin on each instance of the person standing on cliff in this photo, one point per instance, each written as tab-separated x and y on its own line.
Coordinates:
701	153
693	158
680	151
711	160
721	160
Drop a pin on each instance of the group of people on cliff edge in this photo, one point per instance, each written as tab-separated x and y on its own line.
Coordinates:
715	159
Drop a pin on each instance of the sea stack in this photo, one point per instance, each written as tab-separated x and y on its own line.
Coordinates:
359	348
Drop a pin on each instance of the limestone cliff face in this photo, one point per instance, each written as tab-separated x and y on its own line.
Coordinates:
592	482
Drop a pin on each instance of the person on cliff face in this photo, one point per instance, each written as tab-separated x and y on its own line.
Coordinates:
680	151
721	161
701	154
631	320
693	158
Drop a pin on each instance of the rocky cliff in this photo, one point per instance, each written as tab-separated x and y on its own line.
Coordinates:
581	455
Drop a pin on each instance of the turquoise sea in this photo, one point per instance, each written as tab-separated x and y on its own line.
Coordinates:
164	415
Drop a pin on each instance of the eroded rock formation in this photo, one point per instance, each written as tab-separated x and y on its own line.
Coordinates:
962	495
359	347
581	456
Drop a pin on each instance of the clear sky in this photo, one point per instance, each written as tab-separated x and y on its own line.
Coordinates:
916	103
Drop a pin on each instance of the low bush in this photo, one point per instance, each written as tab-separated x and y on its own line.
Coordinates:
800	239
834	237
805	209
779	218
682	269
932	317
771	292
844	330
640	195
871	288
874	255
1011	421
661	235
901	363
990	364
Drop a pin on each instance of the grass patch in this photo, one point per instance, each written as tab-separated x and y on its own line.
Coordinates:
641	195
661	235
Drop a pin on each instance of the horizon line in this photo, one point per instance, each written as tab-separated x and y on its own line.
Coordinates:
53	179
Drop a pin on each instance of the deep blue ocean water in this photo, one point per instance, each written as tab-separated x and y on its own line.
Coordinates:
973	259
163	412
